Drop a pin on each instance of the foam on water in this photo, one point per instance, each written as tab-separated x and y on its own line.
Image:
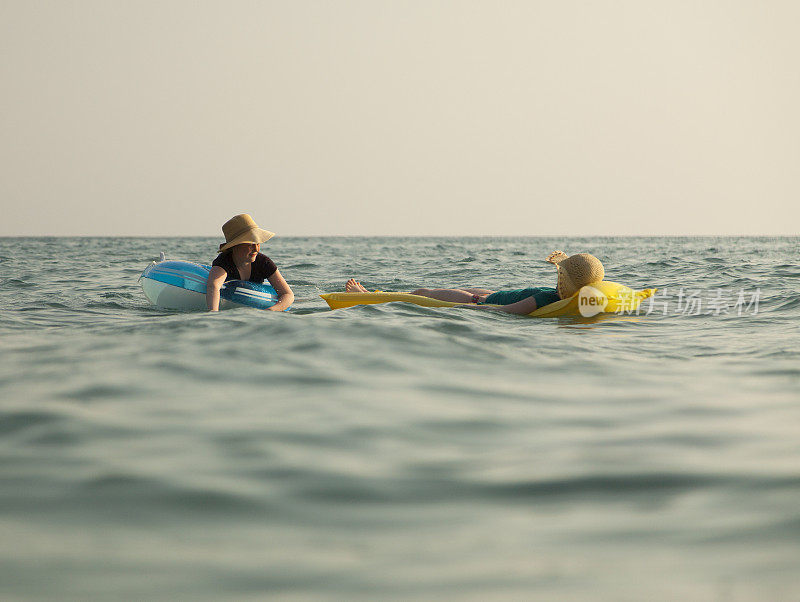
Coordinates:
398	451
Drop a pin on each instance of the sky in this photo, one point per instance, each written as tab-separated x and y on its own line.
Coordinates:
623	117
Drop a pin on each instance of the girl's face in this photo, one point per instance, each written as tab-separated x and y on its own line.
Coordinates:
245	252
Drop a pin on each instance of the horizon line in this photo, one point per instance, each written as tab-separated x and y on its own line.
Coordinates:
408	235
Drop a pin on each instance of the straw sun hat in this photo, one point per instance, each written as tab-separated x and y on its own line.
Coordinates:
243	229
575	271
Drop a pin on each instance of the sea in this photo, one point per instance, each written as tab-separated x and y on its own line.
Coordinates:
398	452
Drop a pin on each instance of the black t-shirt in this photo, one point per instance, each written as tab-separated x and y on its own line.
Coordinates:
263	267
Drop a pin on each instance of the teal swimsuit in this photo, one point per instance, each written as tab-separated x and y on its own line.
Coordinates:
542	295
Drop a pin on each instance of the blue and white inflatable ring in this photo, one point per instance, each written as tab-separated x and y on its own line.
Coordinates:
182	285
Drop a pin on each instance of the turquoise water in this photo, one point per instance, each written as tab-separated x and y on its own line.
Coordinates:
396	451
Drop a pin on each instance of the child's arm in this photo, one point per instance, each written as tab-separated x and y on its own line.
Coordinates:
285	294
522	308
216	278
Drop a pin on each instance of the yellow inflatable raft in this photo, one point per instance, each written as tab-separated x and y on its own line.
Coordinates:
600	297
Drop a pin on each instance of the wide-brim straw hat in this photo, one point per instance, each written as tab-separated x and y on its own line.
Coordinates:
575	272
243	229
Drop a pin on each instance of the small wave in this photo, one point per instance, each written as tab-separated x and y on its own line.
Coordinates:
117	295
600	485
45	305
344	488
13	422
132	490
16	283
106	305
96	392
790	303
776	353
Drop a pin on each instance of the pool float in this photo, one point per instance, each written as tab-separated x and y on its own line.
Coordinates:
600	297
182	285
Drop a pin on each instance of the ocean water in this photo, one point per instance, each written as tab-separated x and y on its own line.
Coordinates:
395	451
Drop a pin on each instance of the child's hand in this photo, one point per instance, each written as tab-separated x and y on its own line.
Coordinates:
556	256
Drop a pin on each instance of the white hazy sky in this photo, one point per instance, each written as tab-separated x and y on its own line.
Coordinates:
416	117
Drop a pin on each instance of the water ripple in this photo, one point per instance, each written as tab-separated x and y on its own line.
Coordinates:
396	448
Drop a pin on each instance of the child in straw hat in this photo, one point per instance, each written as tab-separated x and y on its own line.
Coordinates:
574	272
239	259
